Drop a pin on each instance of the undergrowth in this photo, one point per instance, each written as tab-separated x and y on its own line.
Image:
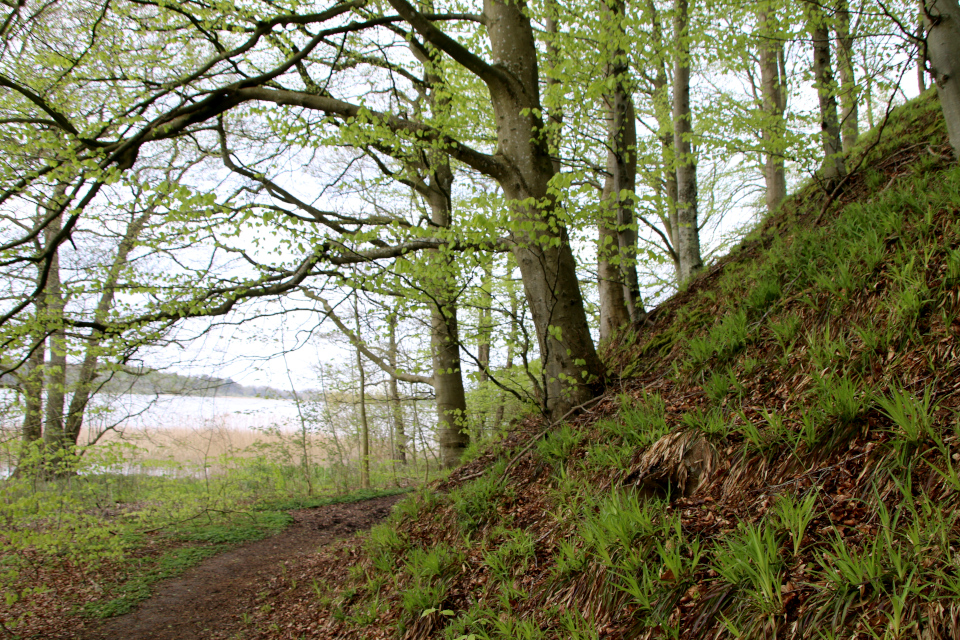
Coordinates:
781	460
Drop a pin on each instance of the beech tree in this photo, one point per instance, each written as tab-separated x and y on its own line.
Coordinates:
942	20
833	167
82	114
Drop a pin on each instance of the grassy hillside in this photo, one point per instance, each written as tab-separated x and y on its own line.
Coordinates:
778	458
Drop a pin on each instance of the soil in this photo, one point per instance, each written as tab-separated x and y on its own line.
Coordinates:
209	601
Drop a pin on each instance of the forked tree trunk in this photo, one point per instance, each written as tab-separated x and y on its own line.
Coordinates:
833	164
849	92
688	232
773	95
542	249
942	19
523	167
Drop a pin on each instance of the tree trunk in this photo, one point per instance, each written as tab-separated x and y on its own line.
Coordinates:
613	307
512	338
444	333
56	368
621	179
88	369
394	391
485	325
773	95
688	232
849	92
921	57
663	110
942	18
32	387
542	249
364	425
833	165
523	166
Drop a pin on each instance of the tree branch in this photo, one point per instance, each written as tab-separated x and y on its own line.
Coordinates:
358	343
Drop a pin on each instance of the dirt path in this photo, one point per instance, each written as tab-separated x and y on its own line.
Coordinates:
208	601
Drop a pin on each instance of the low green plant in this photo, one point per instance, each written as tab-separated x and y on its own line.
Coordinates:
384	544
476	502
825	351
713	423
609	455
512	554
126	595
750	559
794	516
763	295
430	572
785	330
555	448
720	384
914	416
841	398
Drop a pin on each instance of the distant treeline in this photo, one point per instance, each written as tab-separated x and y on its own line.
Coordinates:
158	382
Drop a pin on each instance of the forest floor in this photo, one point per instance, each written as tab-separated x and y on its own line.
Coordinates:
217	598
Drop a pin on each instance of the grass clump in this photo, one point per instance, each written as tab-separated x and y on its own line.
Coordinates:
475	503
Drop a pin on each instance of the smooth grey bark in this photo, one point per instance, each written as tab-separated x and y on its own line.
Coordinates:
621	167
942	19
524	167
393	388
87	374
31	386
688	231
833	166
849	91
572	368
554	114
56	367
31	381
485	325
773	97
436	188
364	425
616	269
512	338
663	111
921	58
444	333
613	306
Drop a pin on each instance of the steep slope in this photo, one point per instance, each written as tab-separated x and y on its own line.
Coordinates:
779	458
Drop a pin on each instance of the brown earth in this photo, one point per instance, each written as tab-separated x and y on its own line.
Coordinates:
210	601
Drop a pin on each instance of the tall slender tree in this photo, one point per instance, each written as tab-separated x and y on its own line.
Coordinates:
688	229
849	91
774	96
833	166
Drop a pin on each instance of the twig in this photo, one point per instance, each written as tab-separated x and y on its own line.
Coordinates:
535	438
836	191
